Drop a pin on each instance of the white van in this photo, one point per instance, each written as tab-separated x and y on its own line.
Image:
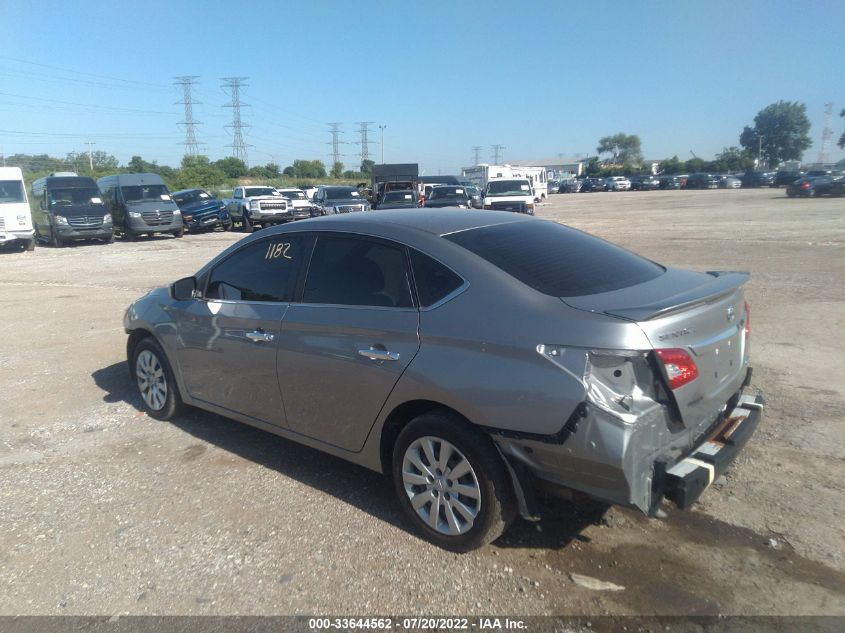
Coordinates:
15	218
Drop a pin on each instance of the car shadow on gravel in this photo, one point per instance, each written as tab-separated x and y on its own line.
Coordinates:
562	521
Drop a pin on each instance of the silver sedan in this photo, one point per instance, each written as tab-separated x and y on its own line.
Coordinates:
468	355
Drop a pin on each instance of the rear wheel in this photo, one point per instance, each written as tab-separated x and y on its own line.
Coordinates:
30	245
451	482
227	226
56	241
155	382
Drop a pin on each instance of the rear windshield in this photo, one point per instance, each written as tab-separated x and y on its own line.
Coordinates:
557	260
448	193
399	196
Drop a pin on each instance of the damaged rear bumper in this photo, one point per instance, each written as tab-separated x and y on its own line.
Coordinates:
684	482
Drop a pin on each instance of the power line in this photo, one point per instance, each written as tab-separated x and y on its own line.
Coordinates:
234	85
335	143
365	143
187	82
476	151
496	151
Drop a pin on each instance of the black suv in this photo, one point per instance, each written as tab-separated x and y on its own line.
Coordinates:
758	179
702	181
644	183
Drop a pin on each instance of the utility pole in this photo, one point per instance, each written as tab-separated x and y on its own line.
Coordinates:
234	86
365	139
382	128
335	143
188	82
496	150
90	144
476	151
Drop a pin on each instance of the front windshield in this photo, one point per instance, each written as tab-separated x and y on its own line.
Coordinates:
293	195
341	193
145	193
249	192
187	197
67	197
11	191
508	188
448	193
399	196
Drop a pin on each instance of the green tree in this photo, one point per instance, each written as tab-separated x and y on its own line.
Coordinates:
306	169
781	132
367	165
671	165
694	164
841	142
198	171
337	169
733	159
232	167
625	148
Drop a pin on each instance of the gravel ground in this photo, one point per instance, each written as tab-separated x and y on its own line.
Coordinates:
106	511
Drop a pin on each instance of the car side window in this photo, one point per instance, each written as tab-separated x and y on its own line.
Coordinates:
357	271
433	280
263	271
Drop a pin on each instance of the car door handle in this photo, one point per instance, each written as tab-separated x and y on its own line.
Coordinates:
259	337
378	354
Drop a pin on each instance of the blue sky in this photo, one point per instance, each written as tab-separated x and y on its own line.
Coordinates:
541	78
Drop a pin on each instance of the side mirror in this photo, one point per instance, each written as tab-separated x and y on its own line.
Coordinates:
184	289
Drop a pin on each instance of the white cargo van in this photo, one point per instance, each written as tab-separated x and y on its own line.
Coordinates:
15	218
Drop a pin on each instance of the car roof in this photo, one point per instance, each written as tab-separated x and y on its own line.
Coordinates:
434	221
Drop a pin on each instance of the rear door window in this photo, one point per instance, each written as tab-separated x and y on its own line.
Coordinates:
557	260
357	271
263	271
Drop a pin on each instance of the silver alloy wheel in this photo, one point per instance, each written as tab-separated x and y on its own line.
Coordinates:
441	485
151	380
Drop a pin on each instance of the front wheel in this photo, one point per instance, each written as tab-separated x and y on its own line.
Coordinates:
179	233
227	226
155	382
451	482
30	245
56	241
246	225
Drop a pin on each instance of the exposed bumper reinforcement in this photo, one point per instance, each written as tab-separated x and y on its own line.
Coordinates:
691	476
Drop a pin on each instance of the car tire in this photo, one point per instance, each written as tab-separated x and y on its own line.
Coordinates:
56	241
179	233
155	382
483	507
246	225
128	235
109	239
227	226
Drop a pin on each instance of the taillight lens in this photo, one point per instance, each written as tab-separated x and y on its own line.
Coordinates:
680	367
747	320
805	185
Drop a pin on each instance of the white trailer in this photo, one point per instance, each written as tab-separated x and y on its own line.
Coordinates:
481	174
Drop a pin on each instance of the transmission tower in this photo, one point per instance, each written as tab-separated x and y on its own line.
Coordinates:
188	82
335	143
365	139
497	149
476	151
827	134
234	85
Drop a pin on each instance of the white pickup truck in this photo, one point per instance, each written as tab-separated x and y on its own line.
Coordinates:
258	204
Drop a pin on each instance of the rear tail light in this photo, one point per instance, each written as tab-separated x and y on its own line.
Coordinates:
805	185
747	320
679	365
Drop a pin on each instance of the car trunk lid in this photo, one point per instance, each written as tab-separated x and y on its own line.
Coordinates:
701	313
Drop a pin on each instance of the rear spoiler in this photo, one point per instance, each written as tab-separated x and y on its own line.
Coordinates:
723	283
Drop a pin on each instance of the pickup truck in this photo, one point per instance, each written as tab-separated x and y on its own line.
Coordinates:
258	205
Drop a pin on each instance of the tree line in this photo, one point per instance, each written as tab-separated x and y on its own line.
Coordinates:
781	132
194	171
